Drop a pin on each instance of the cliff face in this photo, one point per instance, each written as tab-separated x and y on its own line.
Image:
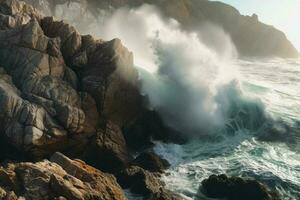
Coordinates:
65	92
251	37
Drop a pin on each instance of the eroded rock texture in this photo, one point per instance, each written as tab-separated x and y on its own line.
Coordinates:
65	92
56	85
59	178
145	183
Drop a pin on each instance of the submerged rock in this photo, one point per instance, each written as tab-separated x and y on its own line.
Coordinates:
59	178
235	188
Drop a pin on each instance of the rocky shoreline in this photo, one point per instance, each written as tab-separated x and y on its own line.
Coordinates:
65	92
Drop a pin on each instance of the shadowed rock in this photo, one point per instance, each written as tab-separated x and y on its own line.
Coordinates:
147	127
50	77
108	150
143	182
151	162
235	188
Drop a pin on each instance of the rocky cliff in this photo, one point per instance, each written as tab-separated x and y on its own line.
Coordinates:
251	37
65	92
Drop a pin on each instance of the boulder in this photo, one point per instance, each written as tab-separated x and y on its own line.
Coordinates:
41	106
151	162
147	127
235	188
139	181
69	36
108	151
145	183
164	194
60	178
15	13
109	76
57	84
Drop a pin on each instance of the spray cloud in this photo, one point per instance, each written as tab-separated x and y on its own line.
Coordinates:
188	77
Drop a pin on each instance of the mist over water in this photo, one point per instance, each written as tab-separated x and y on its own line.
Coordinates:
199	87
189	78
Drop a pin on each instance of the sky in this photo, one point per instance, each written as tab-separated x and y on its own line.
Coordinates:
283	14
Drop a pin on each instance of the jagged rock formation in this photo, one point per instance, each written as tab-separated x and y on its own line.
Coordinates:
250	36
59	178
143	182
109	151
147	126
151	162
55	84
62	91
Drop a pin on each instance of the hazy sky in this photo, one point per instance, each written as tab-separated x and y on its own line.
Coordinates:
283	14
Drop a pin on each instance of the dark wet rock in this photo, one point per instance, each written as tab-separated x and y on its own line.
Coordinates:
60	178
235	188
151	162
108	151
145	183
109	76
147	127
139	181
164	194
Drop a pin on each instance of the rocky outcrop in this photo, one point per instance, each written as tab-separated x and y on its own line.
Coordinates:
108	150
55	84
62	91
59	178
149	126
151	162
250	36
145	183
235	188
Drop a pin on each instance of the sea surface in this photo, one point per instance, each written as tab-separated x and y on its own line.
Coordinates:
273	159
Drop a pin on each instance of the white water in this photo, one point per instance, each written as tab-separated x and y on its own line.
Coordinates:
224	104
276	83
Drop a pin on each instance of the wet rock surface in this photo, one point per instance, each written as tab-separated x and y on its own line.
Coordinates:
151	162
108	150
143	182
236	188
149	126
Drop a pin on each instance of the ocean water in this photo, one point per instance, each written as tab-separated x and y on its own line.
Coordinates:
273	160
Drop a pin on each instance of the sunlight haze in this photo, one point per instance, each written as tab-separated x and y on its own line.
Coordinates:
284	15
